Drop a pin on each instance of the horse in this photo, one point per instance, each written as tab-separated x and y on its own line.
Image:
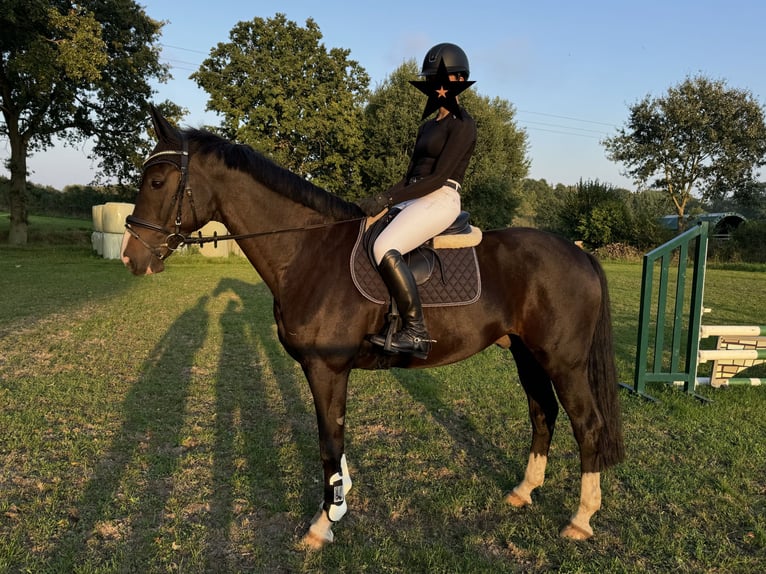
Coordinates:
542	297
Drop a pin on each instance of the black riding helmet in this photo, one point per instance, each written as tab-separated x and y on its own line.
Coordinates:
454	58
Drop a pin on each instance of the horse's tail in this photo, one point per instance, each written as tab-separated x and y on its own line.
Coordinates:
602	377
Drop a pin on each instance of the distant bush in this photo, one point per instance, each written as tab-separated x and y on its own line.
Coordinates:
619	252
600	214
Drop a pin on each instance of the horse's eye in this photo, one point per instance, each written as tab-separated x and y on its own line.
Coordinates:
157	183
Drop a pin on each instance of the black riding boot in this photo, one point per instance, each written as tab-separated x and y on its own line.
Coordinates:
413	337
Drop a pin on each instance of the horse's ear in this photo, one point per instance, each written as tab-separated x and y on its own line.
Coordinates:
163	128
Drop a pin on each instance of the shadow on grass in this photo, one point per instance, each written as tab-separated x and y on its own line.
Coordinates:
123	513
497	449
144	451
483	454
258	405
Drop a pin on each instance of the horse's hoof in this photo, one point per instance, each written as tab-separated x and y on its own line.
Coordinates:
320	532
574	532
315	541
516	501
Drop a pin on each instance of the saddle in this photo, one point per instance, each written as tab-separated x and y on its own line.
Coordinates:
451	253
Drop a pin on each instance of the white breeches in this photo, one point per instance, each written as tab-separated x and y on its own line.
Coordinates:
420	220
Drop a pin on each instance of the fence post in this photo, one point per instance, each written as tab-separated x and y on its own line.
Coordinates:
667	363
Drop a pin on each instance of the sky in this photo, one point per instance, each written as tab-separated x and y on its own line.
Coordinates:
571	69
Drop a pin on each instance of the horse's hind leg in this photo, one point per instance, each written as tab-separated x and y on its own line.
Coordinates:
577	399
543	410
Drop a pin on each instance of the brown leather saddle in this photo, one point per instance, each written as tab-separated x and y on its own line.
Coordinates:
445	276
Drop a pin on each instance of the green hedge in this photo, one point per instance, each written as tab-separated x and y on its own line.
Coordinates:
72	201
747	244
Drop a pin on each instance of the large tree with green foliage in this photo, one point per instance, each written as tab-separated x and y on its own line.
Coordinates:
539	204
499	165
72	71
281	91
391	119
493	180
701	136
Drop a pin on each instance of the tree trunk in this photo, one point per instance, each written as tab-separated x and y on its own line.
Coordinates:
17	193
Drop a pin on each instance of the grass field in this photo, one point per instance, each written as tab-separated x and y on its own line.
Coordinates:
47	230
156	425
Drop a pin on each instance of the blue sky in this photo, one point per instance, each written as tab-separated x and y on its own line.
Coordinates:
570	68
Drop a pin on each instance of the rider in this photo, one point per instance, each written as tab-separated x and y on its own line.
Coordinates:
429	194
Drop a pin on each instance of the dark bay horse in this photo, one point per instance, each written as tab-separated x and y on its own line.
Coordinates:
541	296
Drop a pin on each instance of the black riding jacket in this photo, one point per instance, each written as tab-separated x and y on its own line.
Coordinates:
442	151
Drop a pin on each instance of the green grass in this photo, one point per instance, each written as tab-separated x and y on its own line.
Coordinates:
45	230
156	425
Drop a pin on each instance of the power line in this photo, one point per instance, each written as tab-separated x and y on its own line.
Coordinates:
576	129
182	65
563	129
184	49
184	68
562	132
567	118
177	64
181	62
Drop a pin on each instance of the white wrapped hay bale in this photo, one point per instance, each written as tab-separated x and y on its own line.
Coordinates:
97	237
97	213
112	245
97	242
222	249
113	216
234	249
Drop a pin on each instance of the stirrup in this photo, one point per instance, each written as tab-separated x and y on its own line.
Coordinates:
420	346
393	322
380	340
415	345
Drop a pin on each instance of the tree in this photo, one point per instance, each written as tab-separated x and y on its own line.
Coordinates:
391	119
532	193
647	208
74	70
701	136
596	213
752	207
493	180
282	92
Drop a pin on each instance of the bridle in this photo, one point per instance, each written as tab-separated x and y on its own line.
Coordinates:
175	239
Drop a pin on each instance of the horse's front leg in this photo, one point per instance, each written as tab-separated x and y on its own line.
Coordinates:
329	391
543	411
331	510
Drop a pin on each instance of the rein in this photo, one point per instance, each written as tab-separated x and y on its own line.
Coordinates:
176	239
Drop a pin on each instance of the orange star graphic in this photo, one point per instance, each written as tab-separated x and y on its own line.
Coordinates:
442	92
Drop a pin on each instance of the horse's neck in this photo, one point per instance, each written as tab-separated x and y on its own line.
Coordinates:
277	220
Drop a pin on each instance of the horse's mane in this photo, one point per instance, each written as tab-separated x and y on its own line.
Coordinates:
280	180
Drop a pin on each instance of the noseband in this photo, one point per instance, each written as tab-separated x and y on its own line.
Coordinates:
174	239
